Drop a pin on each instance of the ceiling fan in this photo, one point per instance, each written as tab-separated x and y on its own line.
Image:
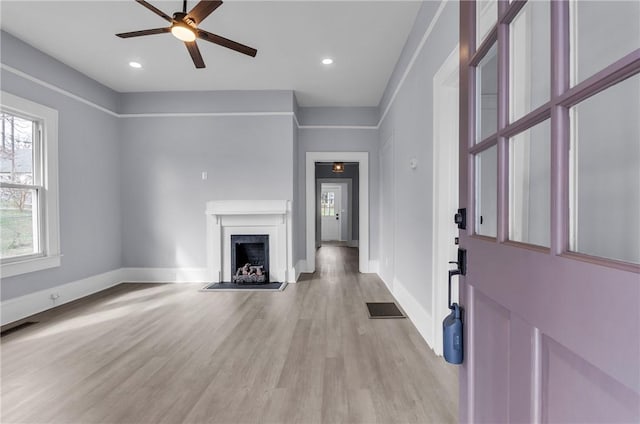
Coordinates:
184	26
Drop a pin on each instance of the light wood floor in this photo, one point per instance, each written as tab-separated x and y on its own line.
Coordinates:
167	353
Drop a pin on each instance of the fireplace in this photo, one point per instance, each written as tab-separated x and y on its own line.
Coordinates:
250	258
228	218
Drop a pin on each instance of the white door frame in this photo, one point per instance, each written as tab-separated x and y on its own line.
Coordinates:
348	182
363	245
387	260
445	187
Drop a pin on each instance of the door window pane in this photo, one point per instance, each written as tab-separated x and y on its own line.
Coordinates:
529	185
486	18
18	224
602	32
487	95
605	172
486	192
530	58
328	204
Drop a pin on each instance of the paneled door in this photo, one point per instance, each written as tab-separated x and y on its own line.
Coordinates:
550	178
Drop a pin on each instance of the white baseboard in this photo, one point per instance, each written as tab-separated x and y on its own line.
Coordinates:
414	310
291	276
165	275
374	267
301	266
33	303
386	283
419	316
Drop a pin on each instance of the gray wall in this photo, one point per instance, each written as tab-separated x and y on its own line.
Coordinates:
409	127
163	194
89	168
206	101
345	116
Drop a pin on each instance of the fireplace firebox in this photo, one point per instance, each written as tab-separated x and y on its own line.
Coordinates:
250	259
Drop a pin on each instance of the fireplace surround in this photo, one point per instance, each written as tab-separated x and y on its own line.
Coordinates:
227	218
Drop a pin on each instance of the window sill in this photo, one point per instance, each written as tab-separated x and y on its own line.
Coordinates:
12	269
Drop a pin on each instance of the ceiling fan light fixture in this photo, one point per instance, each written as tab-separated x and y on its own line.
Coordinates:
338	167
183	32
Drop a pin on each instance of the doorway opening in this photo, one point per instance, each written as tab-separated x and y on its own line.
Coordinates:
354	227
337	205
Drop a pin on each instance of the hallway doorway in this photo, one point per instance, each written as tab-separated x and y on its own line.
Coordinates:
312	197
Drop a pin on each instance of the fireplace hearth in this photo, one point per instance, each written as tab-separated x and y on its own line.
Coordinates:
250	259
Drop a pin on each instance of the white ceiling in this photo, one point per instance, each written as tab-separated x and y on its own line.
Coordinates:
364	38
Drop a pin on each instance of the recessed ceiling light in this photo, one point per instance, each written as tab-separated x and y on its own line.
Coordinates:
135	65
327	61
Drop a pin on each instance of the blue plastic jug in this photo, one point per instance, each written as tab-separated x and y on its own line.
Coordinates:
452	335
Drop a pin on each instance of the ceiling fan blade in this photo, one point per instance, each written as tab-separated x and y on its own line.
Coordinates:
225	42
155	10
203	9
194	51
143	32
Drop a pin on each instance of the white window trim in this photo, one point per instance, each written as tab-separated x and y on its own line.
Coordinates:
50	211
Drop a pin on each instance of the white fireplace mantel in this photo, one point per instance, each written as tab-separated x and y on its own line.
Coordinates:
247	207
231	217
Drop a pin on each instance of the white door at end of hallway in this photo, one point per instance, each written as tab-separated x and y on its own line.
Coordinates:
331	212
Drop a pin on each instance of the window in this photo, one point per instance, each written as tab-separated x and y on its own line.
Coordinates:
28	186
328	204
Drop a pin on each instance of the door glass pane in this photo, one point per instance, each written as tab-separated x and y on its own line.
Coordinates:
487	95
529	185
16	152
530	58
18	224
486	18
487	192
328	204
602	32
605	172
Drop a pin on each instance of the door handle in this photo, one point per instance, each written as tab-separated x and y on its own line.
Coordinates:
452	272
461	269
